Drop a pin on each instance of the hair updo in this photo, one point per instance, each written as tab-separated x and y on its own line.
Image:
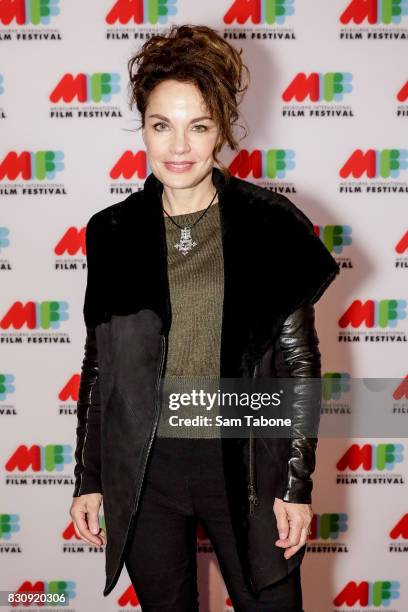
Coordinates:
195	54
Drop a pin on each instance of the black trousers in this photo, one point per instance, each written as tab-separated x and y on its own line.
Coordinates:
184	484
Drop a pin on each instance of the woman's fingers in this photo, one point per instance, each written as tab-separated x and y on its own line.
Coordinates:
85	516
289	552
298	517
281	519
84	531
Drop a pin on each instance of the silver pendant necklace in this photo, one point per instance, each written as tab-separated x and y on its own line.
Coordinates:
186	243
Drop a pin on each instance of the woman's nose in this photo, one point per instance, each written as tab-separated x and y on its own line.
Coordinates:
179	142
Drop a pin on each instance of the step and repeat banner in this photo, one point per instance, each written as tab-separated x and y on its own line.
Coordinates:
327	115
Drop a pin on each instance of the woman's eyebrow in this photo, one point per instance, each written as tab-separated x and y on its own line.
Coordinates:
167	119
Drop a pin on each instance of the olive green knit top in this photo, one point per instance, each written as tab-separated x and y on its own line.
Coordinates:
196	282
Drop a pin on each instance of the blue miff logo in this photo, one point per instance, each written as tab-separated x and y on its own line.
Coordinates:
4	237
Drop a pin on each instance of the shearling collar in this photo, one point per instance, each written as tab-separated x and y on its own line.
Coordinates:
273	263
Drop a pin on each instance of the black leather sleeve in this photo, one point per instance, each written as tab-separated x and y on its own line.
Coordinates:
87	453
298	342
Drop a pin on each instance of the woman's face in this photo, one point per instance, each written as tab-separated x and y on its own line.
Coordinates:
178	128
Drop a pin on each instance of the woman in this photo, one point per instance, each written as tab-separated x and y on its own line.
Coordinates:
200	274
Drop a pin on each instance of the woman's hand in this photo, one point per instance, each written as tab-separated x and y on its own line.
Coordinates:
84	512
293	522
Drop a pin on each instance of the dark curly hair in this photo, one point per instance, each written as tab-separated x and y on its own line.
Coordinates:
195	54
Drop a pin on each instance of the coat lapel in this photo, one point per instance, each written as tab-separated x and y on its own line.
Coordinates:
273	263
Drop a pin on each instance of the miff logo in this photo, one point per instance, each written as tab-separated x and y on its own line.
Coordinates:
72	242
374	11
401	246
35	315
378	593
130	164
128	598
6	386
96	87
371	457
28	11
401	392
272	163
372	313
334	385
328	526
402	94
383	163
4	237
141	11
49	458
71	389
9	524
400	529
318	87
30	165
335	237
259	11
51	587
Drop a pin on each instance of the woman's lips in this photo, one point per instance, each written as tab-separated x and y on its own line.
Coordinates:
179	167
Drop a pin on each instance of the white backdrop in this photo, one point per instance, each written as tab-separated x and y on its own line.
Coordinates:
327	112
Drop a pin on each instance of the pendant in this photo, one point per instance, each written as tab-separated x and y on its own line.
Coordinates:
186	242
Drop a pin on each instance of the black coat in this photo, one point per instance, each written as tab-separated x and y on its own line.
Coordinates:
275	269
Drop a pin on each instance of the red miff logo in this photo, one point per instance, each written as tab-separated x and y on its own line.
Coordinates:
401	392
400	529
402	245
72	242
303	86
128	598
402	95
130	164
70	391
69	532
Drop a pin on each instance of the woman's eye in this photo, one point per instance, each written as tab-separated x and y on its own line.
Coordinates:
156	124
196	126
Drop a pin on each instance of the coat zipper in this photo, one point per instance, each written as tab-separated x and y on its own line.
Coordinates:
252	495
163	343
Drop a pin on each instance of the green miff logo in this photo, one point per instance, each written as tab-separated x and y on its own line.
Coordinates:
6	385
329	525
9	524
335	237
334	385
45	164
